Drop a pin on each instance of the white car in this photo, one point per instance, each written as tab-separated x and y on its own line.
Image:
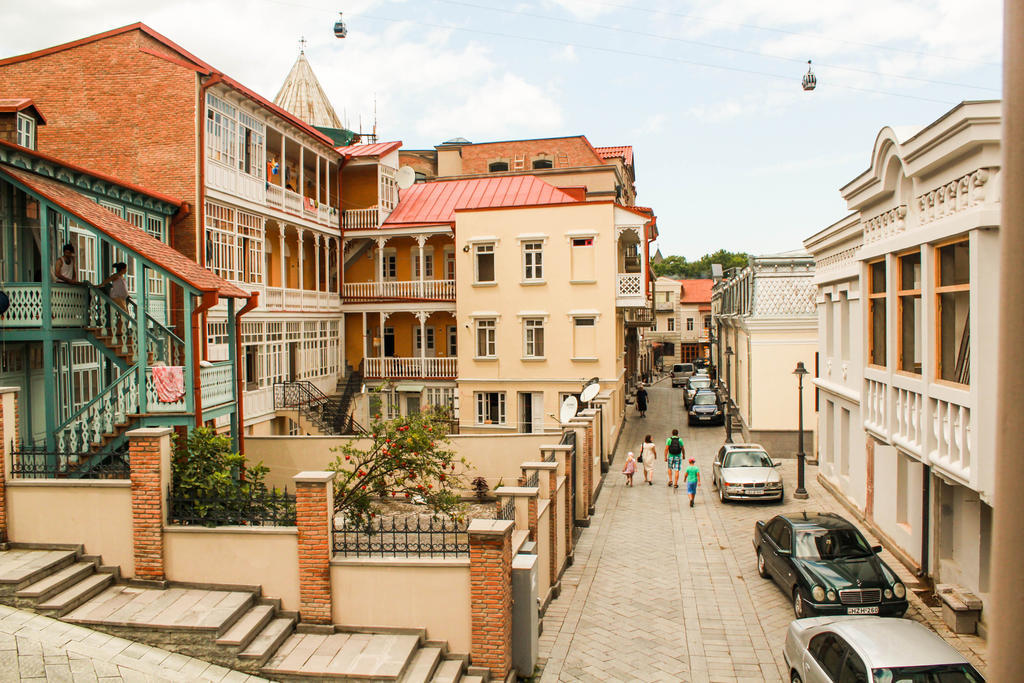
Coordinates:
744	470
871	650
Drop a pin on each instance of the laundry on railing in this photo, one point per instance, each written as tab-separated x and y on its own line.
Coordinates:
170	383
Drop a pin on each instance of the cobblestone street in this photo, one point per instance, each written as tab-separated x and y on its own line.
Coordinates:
662	592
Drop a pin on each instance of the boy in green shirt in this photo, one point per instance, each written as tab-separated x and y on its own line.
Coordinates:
692	480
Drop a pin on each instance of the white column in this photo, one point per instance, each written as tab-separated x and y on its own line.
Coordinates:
316	262
317	178
302	260
381	241
420	240
422	317
280	249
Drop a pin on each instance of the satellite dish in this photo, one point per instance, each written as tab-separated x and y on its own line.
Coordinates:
591	390
405	177
568	410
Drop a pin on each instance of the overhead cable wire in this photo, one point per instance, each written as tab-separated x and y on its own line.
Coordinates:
715	46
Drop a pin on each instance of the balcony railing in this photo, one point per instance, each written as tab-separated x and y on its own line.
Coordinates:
282	299
69	305
362	219
410	368
216	383
629	290
405	289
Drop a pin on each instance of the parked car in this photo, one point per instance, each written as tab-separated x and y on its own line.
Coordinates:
700	363
680	373
827	649
744	470
826	566
692	385
705	408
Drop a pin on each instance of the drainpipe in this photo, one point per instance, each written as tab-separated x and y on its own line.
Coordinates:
239	359
208	301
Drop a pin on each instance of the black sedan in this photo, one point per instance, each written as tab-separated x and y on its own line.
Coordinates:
827	567
705	408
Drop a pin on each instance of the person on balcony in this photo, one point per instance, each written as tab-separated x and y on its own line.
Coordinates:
66	268
118	285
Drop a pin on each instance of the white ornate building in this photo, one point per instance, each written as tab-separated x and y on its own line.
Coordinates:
905	288
765	314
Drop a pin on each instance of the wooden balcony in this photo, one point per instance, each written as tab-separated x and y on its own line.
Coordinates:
629	290
69	305
410	368
434	290
285	299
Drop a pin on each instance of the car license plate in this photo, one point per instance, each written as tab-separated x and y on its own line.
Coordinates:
754	492
862	610
706	418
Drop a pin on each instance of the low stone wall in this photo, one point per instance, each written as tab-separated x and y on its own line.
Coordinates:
245	556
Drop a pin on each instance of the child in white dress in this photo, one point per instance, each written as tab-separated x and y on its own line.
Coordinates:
629	468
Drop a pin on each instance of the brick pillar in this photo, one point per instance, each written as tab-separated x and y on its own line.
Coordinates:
314	508
570	512
149	451
8	435
588	450
490	573
554	561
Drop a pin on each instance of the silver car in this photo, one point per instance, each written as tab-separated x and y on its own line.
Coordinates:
744	470
692	385
871	649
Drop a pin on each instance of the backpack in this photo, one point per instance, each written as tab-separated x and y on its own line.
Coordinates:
675	447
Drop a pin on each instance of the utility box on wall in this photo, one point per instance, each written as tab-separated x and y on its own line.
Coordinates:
525	622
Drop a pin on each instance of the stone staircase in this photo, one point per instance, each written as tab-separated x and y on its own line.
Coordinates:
230	626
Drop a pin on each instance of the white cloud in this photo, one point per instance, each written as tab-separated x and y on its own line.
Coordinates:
568	54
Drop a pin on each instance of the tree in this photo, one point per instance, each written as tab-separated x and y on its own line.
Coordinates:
679	267
408	459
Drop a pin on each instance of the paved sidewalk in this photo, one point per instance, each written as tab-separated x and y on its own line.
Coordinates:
38	648
662	592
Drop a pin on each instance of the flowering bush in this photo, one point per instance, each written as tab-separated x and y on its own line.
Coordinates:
408	459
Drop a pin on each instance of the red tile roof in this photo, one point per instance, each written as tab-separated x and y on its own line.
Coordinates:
436	202
378	149
13	104
199	65
696	291
124	233
624	151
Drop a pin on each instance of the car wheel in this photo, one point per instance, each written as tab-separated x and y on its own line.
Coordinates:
721	495
762	568
799	610
796	678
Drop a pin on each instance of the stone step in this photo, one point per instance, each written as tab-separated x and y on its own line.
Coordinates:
179	608
269	639
58	581
422	666
248	626
78	594
345	655
450	671
472	679
21	567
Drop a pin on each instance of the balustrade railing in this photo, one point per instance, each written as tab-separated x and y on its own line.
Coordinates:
411	368
254	506
101	416
69	305
875	415
216	383
951	427
153	402
400	289
292	201
275	195
356	219
415	536
908	430
629	285
33	462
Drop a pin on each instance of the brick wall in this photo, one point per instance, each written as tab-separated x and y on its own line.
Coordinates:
490	570
120	111
149	453
9	127
314	506
475	158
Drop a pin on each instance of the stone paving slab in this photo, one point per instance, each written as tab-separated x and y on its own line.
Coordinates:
34	647
662	591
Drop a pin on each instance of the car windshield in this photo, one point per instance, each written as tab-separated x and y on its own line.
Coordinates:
747	459
699	382
945	673
704	399
831	544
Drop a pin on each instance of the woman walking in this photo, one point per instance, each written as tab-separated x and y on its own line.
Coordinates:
648	454
641	401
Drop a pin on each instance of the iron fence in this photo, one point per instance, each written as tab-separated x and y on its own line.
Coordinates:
402	537
253	507
38	462
533	479
507	509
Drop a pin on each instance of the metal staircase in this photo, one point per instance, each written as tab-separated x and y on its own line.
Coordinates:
328	414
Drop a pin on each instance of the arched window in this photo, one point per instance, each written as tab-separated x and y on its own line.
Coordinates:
497	166
542	163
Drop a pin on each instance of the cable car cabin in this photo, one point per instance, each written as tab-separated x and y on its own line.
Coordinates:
339	27
810	80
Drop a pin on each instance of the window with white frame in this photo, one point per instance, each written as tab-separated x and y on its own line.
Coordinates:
428	263
671	324
533	261
953	314
234	138
26	131
430	340
449	264
453	340
584	339
533	337
234	243
582	259
389	265
490	407
689	324
486	338
440	398
483	263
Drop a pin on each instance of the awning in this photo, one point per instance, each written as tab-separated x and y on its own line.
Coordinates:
409	387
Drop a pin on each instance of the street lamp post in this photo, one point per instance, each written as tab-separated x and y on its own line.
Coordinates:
801	492
728	394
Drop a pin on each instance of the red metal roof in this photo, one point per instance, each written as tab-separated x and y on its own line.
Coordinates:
437	202
123	232
200	66
13	104
624	151
377	149
696	291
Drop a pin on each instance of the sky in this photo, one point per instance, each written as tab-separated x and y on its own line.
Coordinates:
730	152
